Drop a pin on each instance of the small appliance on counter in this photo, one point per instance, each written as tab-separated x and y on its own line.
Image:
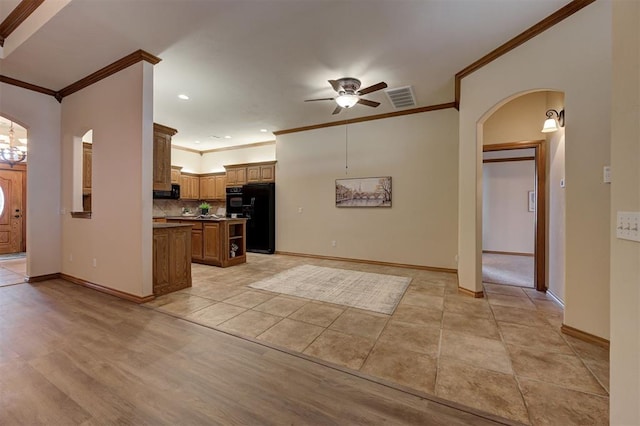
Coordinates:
259	207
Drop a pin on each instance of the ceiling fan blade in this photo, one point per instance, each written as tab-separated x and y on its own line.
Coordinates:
368	102
373	88
320	99
336	86
337	110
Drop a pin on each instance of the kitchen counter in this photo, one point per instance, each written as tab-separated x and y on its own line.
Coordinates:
169	225
203	219
215	241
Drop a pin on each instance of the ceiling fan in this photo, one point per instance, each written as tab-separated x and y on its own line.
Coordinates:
349	95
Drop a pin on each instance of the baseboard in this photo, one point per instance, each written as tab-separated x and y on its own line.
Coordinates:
40	278
512	253
370	262
107	290
583	335
476	294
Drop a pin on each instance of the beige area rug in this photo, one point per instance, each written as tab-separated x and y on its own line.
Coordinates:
507	269
364	290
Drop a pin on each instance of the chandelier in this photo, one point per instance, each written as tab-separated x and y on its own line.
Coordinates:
9	152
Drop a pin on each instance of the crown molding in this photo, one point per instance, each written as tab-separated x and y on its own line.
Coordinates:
28	86
119	65
367	118
184	148
232	148
17	17
548	22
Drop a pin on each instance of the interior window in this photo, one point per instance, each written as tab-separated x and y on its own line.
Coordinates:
87	145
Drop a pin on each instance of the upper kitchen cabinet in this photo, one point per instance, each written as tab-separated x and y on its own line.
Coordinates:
162	157
240	174
175	174
236	175
189	186
212	186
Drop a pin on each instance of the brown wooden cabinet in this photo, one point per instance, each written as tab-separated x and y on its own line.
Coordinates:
207	187
171	258
175	174
189	187
86	167
220	190
162	157
236	176
217	242
240	174
212	187
211	242
196	245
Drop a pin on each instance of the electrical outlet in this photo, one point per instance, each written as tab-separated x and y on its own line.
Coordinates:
70	257
333	243
95	262
606	174
627	226
299	209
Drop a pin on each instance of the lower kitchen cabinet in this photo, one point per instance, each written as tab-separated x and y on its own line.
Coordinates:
211	242
171	257
217	242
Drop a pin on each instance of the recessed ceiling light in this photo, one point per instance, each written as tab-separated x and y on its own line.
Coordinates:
227	137
263	130
183	97
197	142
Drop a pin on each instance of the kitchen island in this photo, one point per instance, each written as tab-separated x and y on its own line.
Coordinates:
215	241
171	257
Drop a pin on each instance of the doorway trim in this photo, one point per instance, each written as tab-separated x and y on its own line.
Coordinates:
539	249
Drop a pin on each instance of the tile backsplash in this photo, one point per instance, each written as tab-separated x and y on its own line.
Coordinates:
174	207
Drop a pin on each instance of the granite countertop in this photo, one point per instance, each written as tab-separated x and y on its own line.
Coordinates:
203	219
169	225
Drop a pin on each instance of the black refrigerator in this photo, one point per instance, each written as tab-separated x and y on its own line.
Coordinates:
259	207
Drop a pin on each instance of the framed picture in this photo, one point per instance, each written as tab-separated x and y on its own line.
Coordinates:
532	201
364	192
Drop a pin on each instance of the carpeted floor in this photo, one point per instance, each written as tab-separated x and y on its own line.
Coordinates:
373	292
507	269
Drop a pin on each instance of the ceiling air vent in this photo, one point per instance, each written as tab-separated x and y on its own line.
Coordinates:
401	97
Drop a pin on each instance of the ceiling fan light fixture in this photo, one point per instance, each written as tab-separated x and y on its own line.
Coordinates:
347	100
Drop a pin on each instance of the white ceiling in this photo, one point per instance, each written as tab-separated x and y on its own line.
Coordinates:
250	64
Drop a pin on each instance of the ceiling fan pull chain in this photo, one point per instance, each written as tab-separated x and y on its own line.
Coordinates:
346	147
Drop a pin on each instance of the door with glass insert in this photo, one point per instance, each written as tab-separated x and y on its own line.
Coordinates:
10	211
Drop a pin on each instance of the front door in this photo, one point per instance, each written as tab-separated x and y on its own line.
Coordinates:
10	211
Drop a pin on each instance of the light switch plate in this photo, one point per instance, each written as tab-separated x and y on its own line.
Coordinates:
606	174
627	226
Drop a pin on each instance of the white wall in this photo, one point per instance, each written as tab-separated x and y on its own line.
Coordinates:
215	161
557	59
118	235
40	114
625	196
518	120
507	223
556	207
190	162
418	151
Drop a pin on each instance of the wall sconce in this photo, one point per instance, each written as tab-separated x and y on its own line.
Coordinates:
551	123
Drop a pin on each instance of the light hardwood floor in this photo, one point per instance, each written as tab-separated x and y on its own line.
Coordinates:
70	355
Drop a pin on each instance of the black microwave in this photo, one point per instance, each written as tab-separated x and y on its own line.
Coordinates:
172	194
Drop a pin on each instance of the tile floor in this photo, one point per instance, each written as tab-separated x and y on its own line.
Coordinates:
503	354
